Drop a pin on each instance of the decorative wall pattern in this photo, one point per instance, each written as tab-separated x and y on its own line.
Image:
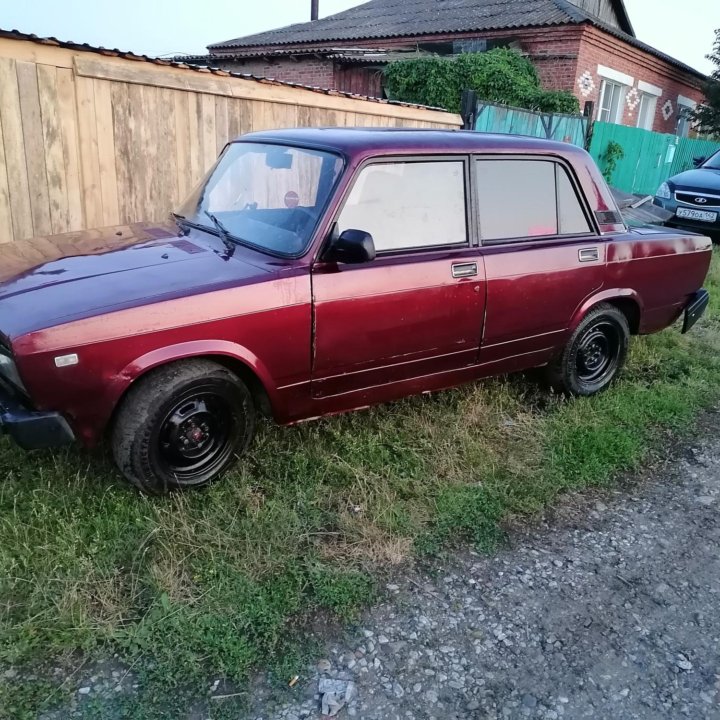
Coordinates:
632	99
586	83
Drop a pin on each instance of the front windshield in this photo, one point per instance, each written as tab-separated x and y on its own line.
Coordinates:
713	163
267	196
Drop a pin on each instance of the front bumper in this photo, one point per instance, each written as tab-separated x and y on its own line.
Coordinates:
695	309
31	430
703	228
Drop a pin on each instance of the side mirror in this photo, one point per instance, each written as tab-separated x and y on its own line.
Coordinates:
353	247
698	161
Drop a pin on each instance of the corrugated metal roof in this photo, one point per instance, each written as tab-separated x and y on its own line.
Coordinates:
354	55
256	53
403	18
385	19
128	55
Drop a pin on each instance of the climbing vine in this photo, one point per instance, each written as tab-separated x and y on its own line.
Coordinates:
614	152
500	75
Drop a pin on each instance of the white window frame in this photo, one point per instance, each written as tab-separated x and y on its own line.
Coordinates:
615	75
649	101
648	89
684	123
686	102
620	108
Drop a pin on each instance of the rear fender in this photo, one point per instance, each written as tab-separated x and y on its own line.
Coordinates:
605	296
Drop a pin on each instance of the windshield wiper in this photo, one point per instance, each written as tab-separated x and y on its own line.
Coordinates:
229	240
181	221
225	236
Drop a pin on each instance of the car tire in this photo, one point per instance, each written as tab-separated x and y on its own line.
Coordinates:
594	354
182	426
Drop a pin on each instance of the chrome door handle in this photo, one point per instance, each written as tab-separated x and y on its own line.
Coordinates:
588	255
461	270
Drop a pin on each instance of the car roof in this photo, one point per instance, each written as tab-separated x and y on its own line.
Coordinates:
374	141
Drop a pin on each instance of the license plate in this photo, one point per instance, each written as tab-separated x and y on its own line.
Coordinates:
701	215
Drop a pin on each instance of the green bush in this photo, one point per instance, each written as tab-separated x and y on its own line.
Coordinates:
500	75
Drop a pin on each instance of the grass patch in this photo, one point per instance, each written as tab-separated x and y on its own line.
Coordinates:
216	584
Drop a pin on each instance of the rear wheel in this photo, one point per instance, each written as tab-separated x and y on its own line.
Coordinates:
182	426
594	355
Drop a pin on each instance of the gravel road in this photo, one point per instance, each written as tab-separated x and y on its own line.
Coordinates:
608	609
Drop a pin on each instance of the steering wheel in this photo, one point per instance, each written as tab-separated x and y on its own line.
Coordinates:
302	218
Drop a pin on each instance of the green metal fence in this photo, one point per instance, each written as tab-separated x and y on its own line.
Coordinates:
495	118
649	158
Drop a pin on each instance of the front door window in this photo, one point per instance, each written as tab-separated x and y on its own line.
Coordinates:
409	205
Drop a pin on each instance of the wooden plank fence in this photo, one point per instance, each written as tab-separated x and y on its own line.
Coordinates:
88	140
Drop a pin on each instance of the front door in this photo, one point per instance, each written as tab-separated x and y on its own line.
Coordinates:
543	256
417	309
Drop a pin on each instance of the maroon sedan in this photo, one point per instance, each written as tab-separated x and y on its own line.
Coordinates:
319	271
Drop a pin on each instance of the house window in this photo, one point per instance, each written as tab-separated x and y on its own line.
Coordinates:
646	111
686	107
612	99
683	123
612	93
469	46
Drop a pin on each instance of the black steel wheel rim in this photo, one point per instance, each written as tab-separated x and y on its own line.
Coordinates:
598	352
196	436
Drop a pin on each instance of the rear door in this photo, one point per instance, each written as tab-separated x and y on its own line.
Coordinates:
417	309
543	254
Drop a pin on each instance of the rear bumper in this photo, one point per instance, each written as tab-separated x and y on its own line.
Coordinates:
695	309
31	430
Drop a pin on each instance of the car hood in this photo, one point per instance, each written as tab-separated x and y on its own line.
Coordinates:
700	180
53	280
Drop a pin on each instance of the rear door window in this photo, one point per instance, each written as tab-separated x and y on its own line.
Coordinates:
521	199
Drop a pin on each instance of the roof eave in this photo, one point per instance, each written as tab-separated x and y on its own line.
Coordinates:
640	45
624	17
384	36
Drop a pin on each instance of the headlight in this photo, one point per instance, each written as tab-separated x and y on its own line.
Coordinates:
664	192
9	370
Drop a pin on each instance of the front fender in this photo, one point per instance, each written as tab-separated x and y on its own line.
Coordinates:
605	295
183	351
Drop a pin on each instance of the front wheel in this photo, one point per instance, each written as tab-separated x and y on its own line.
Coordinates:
182	426
594	355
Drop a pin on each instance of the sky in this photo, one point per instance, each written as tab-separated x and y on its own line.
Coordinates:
683	30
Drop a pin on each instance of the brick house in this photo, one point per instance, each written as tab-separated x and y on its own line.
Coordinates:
585	46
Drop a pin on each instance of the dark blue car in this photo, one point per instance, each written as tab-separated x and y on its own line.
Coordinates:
694	198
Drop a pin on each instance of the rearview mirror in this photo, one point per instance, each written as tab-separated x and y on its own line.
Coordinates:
698	161
279	159
353	247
